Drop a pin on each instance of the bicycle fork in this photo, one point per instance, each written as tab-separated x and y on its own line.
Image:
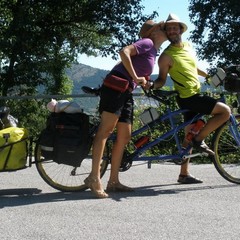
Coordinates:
233	126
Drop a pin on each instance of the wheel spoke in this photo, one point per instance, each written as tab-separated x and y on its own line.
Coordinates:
227	154
63	177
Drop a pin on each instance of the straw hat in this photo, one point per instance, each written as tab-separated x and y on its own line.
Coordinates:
148	27
172	18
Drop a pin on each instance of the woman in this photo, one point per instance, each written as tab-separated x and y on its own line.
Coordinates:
116	106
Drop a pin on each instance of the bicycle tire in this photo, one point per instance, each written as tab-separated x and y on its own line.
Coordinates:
63	177
226	159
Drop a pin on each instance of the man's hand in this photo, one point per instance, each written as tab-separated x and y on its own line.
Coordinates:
149	85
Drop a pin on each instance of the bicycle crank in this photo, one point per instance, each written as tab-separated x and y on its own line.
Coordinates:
126	162
202	154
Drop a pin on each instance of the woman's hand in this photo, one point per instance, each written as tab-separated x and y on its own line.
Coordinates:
141	81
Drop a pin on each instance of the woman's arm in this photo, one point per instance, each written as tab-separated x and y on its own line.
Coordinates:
126	53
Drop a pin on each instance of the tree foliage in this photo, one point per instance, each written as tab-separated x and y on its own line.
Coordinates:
40	38
217	30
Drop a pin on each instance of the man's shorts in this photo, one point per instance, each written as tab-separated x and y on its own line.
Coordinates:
118	103
196	104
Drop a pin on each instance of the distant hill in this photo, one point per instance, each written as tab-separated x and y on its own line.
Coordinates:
84	75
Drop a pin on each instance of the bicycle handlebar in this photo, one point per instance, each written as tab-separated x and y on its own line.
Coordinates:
160	95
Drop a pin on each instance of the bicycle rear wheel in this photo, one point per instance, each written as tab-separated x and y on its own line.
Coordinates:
63	177
227	153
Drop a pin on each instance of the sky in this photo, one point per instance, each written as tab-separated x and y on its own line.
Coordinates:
163	7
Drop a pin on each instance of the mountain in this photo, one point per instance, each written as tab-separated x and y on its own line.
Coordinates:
84	75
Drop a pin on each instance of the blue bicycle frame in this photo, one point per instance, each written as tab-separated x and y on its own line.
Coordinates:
234	129
234	124
182	154
172	132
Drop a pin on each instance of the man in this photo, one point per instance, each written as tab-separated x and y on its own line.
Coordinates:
179	62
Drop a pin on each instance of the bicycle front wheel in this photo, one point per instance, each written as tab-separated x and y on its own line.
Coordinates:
64	177
227	153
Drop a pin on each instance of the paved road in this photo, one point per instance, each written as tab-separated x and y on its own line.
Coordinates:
158	209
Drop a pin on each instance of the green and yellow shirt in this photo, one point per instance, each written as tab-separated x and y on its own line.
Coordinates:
184	70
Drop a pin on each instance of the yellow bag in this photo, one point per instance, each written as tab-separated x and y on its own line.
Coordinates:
13	148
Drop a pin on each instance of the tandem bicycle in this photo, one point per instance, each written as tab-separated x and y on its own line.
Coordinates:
69	178
225	144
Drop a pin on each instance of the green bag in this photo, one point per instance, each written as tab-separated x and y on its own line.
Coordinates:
13	148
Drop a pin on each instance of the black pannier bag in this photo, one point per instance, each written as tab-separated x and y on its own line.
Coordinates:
232	80
66	138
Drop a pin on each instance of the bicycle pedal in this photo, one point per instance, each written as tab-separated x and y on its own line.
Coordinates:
204	154
179	161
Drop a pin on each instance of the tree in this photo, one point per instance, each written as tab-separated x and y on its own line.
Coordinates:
40	38
217	30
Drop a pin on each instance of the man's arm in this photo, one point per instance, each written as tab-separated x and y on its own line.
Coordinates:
201	73
164	63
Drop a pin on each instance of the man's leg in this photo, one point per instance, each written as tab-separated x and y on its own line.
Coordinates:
185	177
221	114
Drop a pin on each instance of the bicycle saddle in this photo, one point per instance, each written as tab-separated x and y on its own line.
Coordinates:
90	90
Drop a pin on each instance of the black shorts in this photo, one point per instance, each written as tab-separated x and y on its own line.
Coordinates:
118	103
196	104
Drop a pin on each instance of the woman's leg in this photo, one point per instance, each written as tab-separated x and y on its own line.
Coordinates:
106	127
123	137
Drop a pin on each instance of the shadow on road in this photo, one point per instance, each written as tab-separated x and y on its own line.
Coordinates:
28	196
154	190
